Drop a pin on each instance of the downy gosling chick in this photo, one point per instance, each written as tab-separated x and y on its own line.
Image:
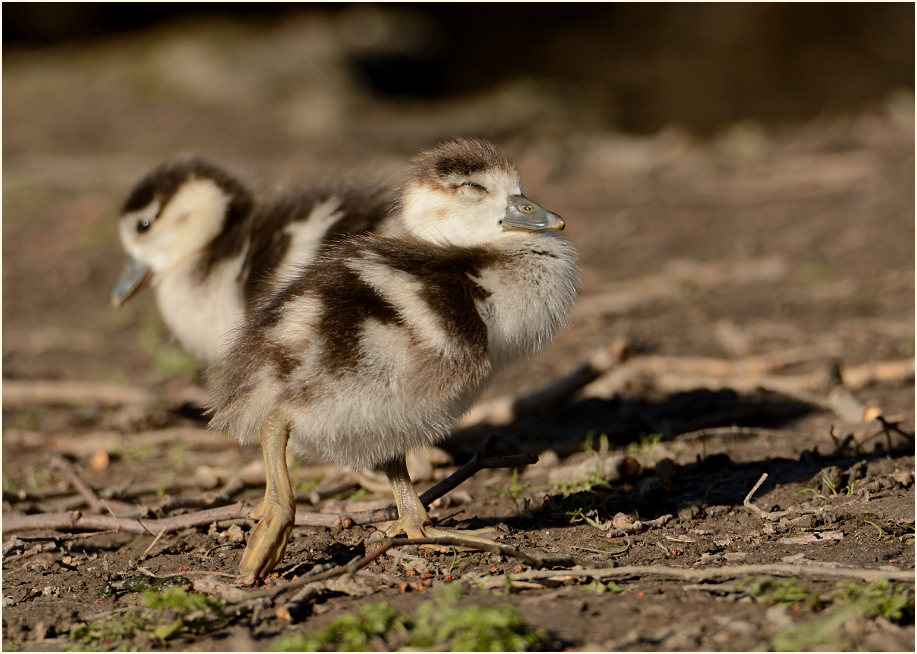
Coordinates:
197	235
381	343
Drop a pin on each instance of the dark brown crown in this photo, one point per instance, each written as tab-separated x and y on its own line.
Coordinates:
458	156
164	181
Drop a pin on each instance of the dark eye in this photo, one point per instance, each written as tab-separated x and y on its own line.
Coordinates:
143	225
527	208
476	187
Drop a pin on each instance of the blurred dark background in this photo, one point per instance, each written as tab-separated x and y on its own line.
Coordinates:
638	66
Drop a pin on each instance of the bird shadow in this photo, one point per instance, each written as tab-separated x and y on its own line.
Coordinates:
710	480
622	420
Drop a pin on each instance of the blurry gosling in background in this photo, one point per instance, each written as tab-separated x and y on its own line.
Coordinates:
381	343
196	235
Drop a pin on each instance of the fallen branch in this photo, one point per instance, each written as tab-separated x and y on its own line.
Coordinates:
528	557
670	374
539	560
71	392
85	444
148	526
711	573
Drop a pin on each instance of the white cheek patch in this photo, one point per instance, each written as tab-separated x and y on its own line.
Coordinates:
456	216
186	224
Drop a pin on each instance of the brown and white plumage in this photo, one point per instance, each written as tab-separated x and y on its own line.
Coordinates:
379	345
198	236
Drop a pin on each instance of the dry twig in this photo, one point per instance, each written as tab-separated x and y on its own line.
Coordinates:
71	392
94	501
715	573
747	501
85	444
678	374
77	520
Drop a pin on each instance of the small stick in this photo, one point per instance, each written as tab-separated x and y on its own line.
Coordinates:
155	540
724	432
482	459
747	501
15	543
86	443
319	494
723	572
94	501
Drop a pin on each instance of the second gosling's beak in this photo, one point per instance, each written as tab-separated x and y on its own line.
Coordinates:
133	278
522	213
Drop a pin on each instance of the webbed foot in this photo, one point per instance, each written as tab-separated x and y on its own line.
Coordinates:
413	519
268	540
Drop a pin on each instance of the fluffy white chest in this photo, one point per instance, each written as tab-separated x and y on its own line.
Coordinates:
529	299
201	312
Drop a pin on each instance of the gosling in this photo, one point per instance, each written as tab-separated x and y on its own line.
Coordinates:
197	235
380	344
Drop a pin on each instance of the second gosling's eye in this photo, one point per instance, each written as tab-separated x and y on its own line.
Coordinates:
476	187
142	225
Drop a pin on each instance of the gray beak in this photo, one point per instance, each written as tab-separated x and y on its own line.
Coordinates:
522	213
133	278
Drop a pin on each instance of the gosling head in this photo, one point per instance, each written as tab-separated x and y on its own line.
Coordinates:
171	215
465	193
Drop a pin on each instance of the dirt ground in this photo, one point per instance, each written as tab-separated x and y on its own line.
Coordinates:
759	282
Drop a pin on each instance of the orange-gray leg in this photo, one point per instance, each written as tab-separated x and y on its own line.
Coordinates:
413	519
268	540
